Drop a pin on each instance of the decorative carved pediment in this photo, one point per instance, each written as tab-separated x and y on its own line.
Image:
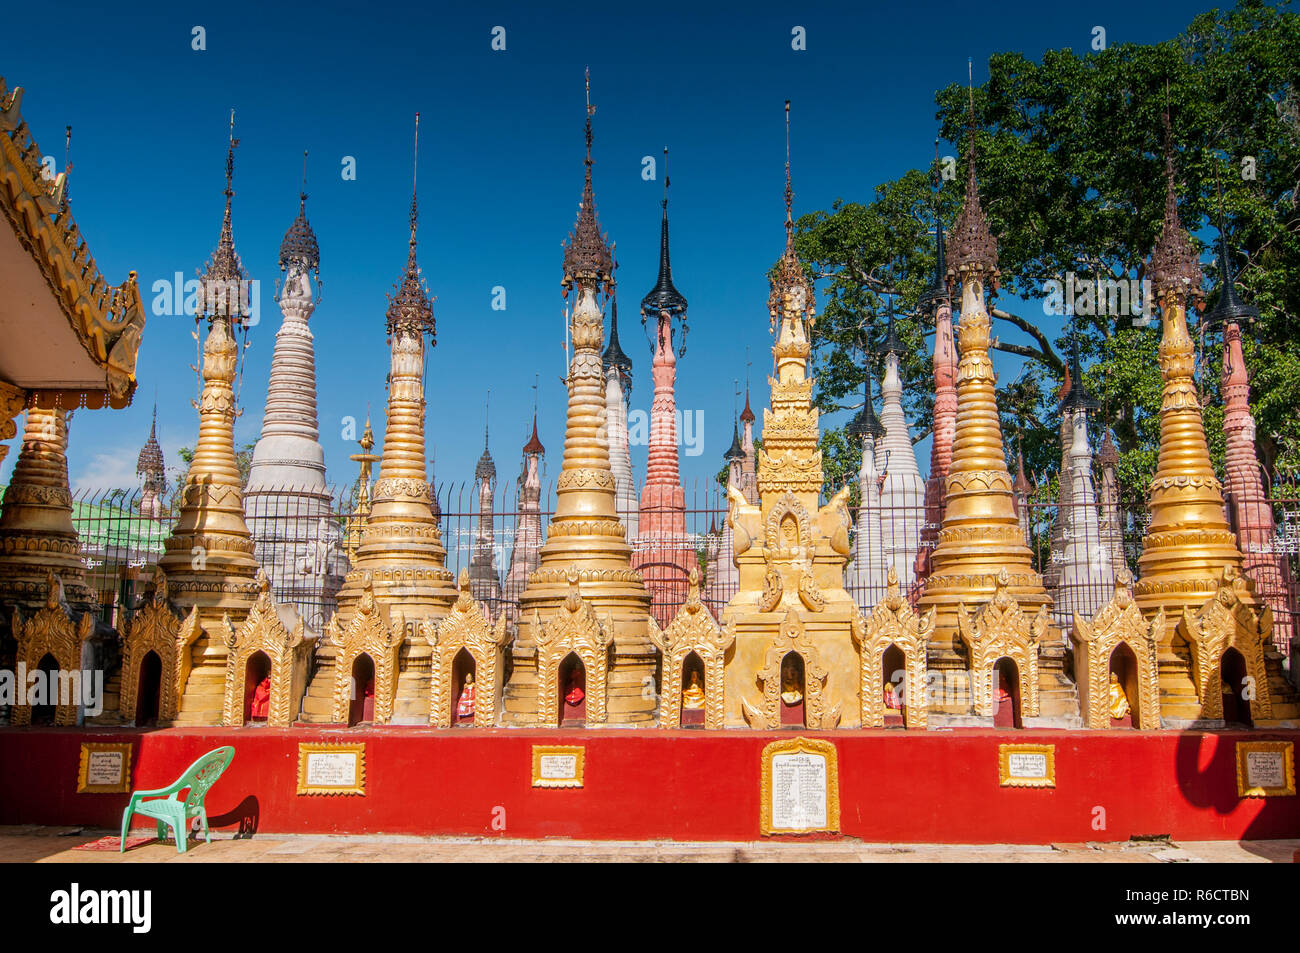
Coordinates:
791	637
1118	622
262	631
1227	621
369	632
693	629
157	627
465	627
892	621
574	628
51	631
1001	629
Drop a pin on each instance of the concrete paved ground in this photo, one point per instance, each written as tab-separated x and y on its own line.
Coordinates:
31	844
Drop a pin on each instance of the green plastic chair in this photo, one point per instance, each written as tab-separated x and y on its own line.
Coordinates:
172	811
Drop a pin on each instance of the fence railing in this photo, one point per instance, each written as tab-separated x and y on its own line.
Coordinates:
303	541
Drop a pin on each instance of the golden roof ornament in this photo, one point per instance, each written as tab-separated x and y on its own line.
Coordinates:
221	290
1174	266
789	280
587	255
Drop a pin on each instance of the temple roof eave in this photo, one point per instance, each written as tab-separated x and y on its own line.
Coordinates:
107	321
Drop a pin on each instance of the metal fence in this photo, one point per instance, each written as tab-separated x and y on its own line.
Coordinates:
304	540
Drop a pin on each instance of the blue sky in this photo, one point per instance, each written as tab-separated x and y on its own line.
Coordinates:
500	178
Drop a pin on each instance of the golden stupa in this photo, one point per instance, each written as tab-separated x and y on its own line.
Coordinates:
585	570
791	618
1190	555
400	556
981	536
209	561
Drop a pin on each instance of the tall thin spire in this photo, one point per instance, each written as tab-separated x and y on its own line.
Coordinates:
1174	266
789	274
299	244
789	188
1229	309
664	296
974	248
223	277
587	253
411	306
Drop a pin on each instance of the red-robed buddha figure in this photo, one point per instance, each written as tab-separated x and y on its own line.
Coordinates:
260	709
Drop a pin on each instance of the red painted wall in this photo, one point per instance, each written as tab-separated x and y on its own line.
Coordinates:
895	786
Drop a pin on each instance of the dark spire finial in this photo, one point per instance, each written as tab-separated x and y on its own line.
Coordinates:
892	344
866	423
974	248
587	253
789	188
1229	309
664	296
411	306
1174	267
1076	396
299	244
221	291
614	356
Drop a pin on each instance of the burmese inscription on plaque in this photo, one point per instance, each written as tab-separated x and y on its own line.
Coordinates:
557	766
799	792
1027	766
104	768
800	787
1265	769
331	769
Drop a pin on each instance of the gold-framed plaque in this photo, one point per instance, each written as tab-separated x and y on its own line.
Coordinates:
1027	766
1265	769
800	791
558	766
105	768
331	768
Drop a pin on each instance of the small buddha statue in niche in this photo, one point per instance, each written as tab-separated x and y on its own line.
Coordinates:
893	700
465	704
261	707
1118	700
693	695
791	692
574	692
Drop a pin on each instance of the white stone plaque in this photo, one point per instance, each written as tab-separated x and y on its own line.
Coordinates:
1265	769
1027	765
556	767
332	769
799	792
104	767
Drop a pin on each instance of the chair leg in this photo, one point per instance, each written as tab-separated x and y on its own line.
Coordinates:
162	830
126	826
203	817
182	833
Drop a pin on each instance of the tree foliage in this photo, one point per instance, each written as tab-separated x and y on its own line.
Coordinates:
1071	175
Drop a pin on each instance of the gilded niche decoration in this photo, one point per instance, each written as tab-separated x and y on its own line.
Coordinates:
50	632
262	631
692	630
1225	622
465	627
157	628
791	637
1118	622
1001	629
574	628
369	633
892	622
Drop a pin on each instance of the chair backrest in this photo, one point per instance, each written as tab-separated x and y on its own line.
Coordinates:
203	773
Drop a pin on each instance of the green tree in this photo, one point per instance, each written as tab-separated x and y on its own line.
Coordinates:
1071	175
